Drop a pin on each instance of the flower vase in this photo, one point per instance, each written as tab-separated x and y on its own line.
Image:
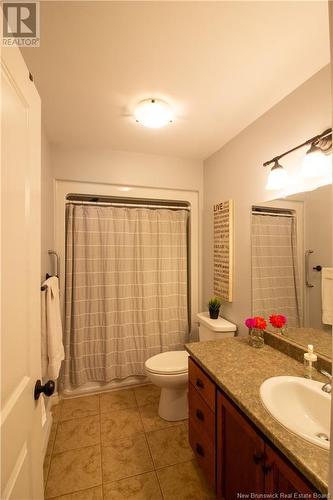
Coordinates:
256	337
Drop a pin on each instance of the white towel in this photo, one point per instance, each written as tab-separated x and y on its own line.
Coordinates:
327	295
52	344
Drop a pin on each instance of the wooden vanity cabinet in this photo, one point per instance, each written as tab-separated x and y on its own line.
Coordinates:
247	462
232	453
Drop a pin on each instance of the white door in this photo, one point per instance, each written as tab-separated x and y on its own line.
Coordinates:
21	422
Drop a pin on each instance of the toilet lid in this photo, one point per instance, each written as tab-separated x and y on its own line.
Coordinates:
168	362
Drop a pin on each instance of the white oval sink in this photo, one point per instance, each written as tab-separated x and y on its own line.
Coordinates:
299	405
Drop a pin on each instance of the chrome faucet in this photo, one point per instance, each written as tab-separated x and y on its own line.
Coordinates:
327	387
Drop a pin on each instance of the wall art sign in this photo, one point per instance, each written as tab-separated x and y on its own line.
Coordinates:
223	249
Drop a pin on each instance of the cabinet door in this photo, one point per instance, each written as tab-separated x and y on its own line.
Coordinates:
240	453
282	477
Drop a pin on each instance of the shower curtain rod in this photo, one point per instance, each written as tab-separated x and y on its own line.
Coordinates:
119	204
274	214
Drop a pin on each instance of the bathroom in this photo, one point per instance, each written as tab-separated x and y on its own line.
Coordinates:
112	210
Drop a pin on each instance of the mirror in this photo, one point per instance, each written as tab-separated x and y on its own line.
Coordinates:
291	242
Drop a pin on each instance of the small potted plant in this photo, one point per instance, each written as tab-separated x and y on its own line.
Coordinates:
278	321
214	305
256	326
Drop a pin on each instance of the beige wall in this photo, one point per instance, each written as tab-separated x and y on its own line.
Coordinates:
120	167
47	225
236	172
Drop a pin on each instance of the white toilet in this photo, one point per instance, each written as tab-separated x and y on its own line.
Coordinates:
169	370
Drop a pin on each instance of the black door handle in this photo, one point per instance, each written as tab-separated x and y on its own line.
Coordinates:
47	389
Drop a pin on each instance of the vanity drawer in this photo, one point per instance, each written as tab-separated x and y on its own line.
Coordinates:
202	383
204	451
200	414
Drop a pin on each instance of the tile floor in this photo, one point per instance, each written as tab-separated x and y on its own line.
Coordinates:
114	446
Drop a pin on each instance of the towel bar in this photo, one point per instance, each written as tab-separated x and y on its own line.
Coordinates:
307	256
57	268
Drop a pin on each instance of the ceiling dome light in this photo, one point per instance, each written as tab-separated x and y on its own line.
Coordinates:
277	178
153	113
315	163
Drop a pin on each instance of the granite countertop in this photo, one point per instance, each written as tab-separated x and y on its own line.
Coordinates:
239	370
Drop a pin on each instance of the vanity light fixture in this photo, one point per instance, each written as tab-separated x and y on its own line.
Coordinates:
277	177
316	162
153	113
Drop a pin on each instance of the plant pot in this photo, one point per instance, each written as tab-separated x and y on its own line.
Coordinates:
213	313
256	338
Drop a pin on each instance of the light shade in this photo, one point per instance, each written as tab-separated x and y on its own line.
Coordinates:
316	163
153	113
277	178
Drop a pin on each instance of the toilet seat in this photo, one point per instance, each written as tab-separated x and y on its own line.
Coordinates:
168	363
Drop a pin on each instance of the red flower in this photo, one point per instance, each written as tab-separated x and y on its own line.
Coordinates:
260	322
277	320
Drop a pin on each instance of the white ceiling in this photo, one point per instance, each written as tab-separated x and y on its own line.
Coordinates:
219	64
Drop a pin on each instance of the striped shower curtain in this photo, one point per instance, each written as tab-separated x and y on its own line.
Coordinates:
275	278
126	289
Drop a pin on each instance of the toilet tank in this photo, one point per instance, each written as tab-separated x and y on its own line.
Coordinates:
214	329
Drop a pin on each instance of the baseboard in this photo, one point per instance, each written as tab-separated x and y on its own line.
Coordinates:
49	402
46	432
53	400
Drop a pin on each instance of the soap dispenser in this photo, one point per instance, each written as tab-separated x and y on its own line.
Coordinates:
309	359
